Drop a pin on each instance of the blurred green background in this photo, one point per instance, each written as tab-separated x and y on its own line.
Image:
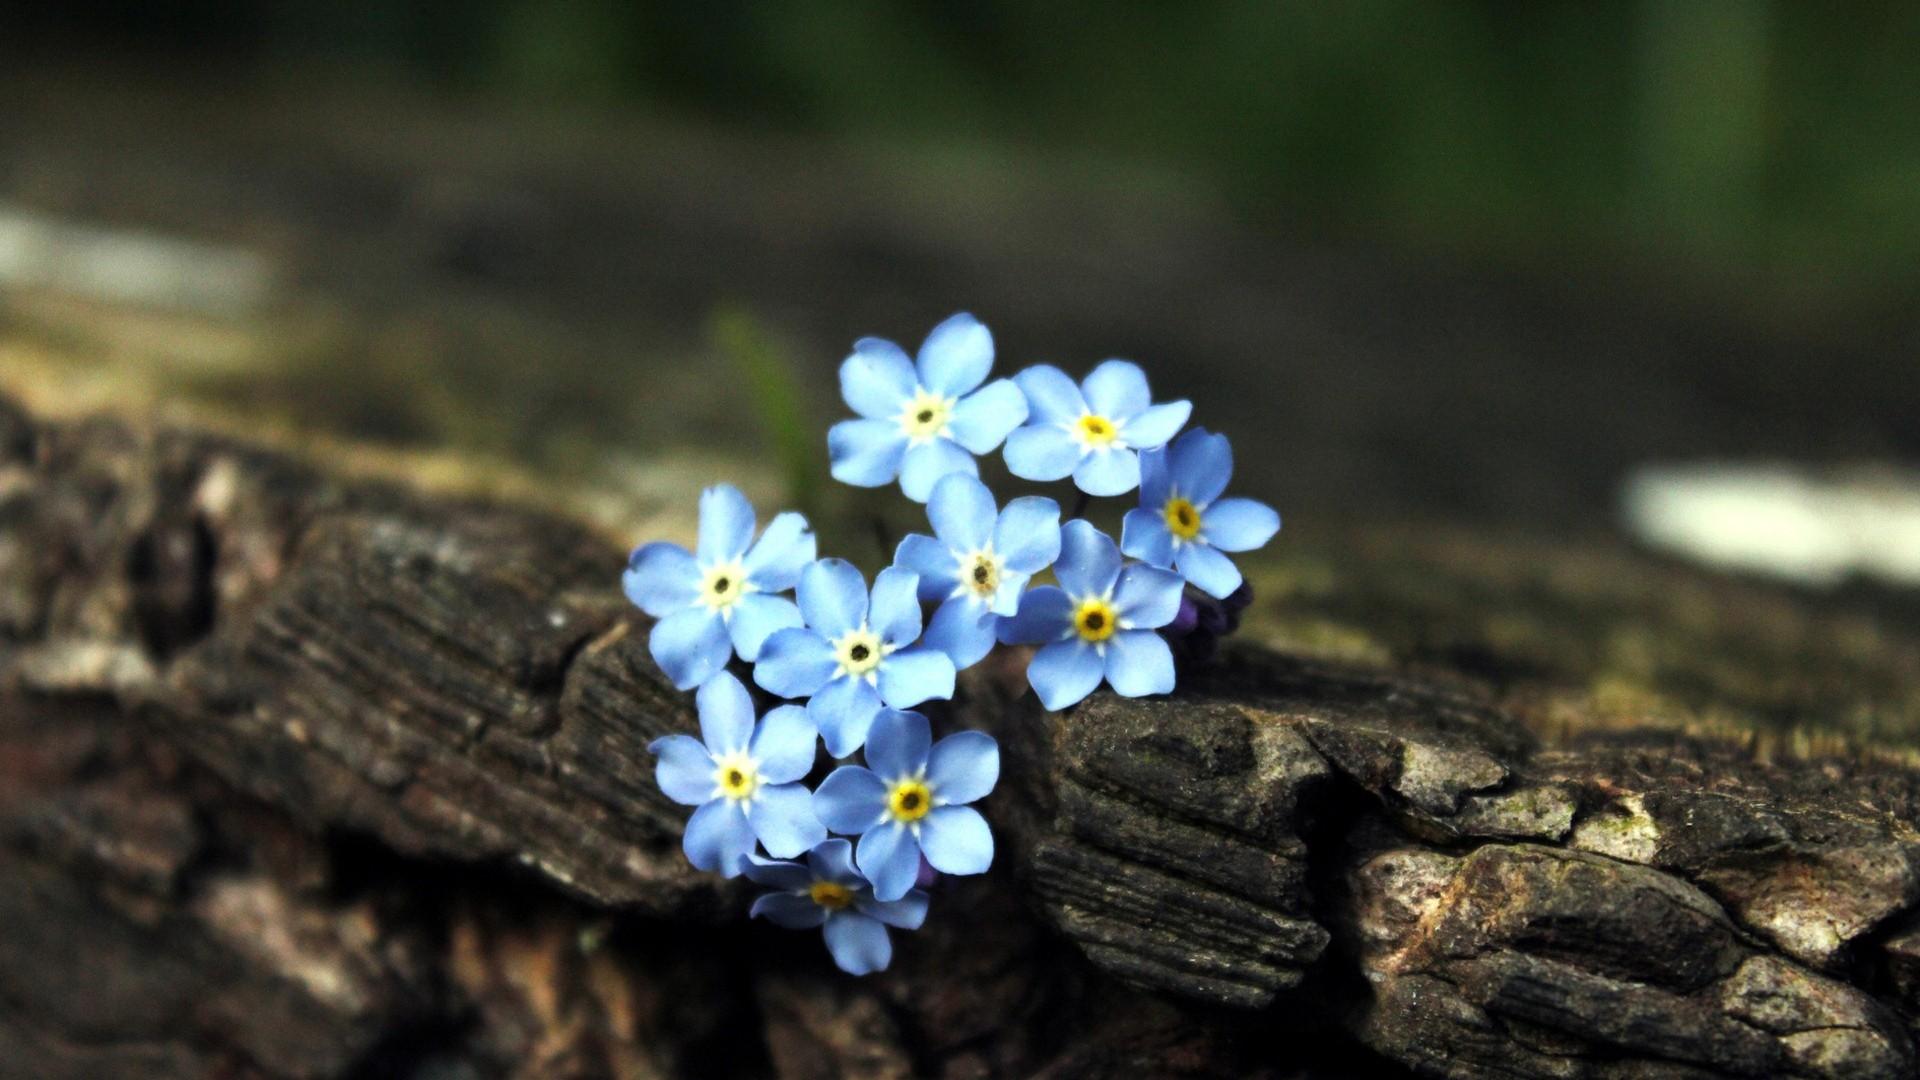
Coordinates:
1778	139
1469	261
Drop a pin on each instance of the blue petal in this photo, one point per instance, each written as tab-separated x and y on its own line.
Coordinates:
890	859
726	524
851	800
794	664
661	579
783	550
756	618
956	356
963	767
1052	398
1200	463
1155	426
1239	524
907	913
894	612
983	419
832	860
782	817
898	744
962	512
786	909
718	838
1006	598
777	873
1147	597
1211	572
691	646
1042	452
833	597
1139	663
1117	389
685	769
843	710
1144	536
964	630
876	379
1108	472
1065	672
1089	562
785	744
866	453
928	462
1046	613
1155	482
916	675
1027	534
858	944
956	840
726	714
932	561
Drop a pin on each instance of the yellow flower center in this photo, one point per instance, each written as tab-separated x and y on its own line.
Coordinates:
925	415
829	895
1183	518
983	575
909	800
1094	620
1097	430
736	776
859	652
722	585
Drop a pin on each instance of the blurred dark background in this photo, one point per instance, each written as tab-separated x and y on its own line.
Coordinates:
1463	261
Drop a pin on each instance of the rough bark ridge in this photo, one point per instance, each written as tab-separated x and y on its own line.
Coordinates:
309	777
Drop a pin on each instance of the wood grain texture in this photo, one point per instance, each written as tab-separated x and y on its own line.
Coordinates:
312	777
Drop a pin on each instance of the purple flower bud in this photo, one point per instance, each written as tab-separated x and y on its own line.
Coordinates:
1185	619
1213	618
927	875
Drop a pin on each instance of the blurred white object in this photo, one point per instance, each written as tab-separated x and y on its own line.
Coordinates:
129	267
1812	527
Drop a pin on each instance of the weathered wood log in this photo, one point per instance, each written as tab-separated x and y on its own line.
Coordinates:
307	776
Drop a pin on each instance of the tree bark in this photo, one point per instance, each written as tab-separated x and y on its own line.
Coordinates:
308	776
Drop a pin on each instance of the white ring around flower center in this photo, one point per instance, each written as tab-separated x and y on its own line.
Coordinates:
1096	432
926	416
722	585
859	653
736	776
978	575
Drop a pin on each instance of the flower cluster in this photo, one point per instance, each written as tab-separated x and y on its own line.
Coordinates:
855	854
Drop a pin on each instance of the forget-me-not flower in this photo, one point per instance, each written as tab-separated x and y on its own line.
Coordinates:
920	423
1092	431
744	776
854	652
1099	622
980	562
721	596
1183	523
910	800
829	893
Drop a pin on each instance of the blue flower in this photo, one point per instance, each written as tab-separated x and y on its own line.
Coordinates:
910	800
828	892
720	598
1099	622
980	563
853	654
1092	430
743	776
1183	523
922	424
